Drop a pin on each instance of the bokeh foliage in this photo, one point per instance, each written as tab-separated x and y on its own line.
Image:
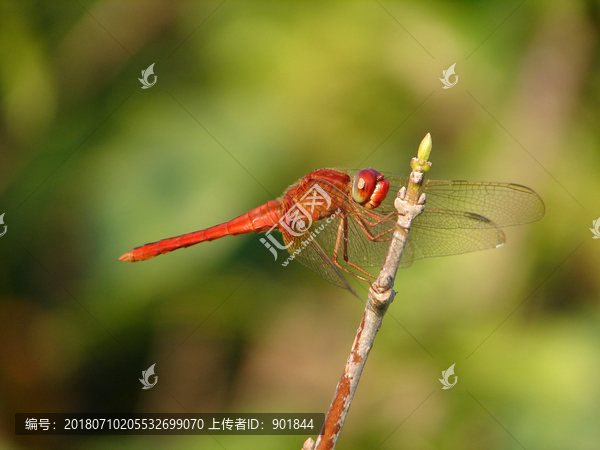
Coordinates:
251	96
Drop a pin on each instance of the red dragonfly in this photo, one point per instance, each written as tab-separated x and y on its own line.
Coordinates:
337	222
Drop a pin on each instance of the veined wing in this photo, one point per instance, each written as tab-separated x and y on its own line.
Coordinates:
312	254
505	204
443	233
463	216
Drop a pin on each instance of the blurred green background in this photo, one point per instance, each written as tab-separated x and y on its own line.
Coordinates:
251	96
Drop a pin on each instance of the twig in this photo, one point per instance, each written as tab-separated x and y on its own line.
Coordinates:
409	205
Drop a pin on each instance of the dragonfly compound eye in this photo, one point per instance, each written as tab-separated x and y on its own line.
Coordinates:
365	184
369	188
379	194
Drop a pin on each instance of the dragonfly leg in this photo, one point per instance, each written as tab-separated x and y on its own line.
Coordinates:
378	219
343	237
329	262
364	226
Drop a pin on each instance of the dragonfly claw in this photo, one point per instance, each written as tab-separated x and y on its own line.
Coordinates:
422	199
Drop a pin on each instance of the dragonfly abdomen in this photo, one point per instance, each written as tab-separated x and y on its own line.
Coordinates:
258	220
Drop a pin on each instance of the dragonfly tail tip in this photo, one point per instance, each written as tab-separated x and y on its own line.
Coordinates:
127	257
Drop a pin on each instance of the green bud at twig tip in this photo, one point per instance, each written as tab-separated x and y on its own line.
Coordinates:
421	162
425	148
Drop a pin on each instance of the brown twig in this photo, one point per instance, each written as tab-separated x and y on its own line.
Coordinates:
409	205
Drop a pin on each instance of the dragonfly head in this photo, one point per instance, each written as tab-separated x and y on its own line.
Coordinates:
370	188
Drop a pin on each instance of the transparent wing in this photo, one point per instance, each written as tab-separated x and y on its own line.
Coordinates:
311	253
505	204
444	233
464	216
459	217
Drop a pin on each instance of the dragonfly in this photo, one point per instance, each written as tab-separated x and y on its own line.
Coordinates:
338	222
